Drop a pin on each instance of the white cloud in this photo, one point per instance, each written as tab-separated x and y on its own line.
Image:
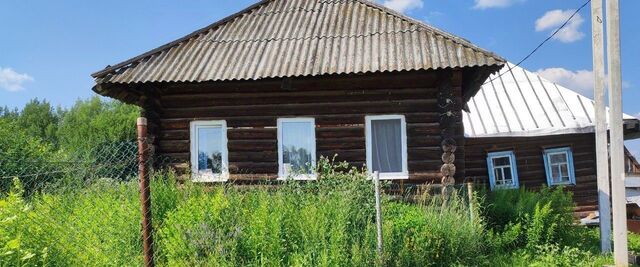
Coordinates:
554	18
432	15
580	81
403	5
637	115
484	4
11	80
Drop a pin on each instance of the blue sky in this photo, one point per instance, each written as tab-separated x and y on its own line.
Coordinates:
50	48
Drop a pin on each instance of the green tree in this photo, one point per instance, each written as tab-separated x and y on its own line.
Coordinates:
23	156
93	122
6	113
39	119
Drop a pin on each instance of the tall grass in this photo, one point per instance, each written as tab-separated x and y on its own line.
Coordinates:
329	222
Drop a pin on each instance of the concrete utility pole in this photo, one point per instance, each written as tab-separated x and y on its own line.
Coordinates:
620	250
376	182
602	150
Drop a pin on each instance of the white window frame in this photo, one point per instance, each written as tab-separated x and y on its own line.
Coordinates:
570	169
282	175
198	176
514	169
404	174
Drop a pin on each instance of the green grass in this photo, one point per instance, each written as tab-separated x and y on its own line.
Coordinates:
329	222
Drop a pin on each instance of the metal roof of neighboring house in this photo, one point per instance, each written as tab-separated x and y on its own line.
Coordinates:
517	102
287	38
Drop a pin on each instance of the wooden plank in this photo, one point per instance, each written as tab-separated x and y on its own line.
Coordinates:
307	109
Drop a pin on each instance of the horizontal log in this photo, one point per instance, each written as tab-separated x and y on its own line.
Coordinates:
325	108
291	97
344	154
413	129
340	143
270	121
253	167
340	132
175	146
334	82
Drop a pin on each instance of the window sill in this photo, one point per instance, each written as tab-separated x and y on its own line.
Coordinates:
563	184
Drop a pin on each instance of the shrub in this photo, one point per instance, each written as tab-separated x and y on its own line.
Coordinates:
434	233
13	214
22	154
98	225
551	255
527	219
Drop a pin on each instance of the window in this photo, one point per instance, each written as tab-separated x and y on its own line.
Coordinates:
558	164
297	148
502	170
209	151
386	139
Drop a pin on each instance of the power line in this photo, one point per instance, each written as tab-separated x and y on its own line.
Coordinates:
542	43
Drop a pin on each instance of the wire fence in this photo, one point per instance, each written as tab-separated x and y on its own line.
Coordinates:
60	209
85	209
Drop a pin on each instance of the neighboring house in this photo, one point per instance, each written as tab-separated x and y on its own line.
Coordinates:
263	93
523	130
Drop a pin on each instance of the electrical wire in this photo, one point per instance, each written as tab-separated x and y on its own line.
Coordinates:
542	43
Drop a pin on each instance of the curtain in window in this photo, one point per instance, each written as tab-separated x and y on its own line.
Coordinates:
386	145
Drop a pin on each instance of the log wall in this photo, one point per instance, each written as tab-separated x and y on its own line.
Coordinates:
338	103
530	162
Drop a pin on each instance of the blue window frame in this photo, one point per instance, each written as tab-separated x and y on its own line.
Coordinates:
503	173
558	163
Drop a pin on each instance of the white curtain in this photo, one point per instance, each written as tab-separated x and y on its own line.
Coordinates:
386	145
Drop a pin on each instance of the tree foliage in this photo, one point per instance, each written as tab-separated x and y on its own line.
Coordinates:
33	138
93	122
38	119
21	153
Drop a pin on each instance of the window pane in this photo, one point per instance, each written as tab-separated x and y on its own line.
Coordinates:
564	172
210	149
555	173
297	145
386	144
507	173
558	158
498	175
501	161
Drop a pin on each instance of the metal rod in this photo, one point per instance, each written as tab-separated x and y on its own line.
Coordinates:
470	195
602	150
145	194
618	198
376	180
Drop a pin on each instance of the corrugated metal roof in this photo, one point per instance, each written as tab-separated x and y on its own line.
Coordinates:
285	38
517	102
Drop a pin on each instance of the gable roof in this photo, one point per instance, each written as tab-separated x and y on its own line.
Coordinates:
517	102
287	38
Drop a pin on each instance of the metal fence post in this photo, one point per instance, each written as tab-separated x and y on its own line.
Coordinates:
470	195
145	194
376	180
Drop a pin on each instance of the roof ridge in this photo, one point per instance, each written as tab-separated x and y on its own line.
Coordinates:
309	37
420	24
